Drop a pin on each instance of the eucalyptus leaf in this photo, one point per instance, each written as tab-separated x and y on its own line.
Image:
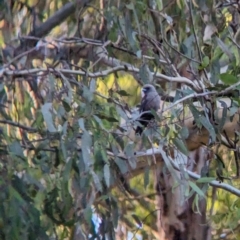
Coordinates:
129	32
228	79
225	49
232	110
215	71
184	133
205	63
116	214
67	170
196	189
146	177
180	145
201	120
66	106
106	171
223	118
130	149
206	179
81	124
132	7
196	203
122	165
122	113
47	112
145	74
123	93
106	117
86	149
96	181
137	219
87	94
118	139
16	149
92	85
99	121
69	89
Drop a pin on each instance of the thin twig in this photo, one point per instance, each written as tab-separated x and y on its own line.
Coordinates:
193	95
181	54
15	124
194	32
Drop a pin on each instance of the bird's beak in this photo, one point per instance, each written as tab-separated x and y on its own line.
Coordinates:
142	93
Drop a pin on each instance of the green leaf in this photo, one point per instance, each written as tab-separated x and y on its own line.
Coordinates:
16	149
233	110
47	110
118	139
196	189
132	7
67	170
215	71
108	118
99	121
86	149
122	113
159	5
225	49
129	32
222	119
106	171
236	54
180	145
87	94
122	165
196	204
205	63
115	213
19	185
203	121
145	74
228	78
130	152
123	93
66	106
81	123
92	85
184	133
138	220
129	149
146	177
88	214
96	181
205	180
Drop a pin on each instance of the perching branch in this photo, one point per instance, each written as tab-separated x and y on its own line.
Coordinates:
142	163
128	68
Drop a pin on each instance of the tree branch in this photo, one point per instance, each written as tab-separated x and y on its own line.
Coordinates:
128	68
142	163
15	124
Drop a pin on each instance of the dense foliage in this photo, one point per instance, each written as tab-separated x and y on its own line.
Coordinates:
71	166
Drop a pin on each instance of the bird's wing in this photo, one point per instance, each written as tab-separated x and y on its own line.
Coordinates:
143	104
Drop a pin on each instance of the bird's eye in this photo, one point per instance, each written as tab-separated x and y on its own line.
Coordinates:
145	89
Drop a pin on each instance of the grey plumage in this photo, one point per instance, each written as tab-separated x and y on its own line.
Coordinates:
150	101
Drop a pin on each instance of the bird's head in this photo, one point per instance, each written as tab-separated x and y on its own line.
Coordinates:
147	89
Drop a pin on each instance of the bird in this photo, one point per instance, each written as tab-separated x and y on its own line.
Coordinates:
150	101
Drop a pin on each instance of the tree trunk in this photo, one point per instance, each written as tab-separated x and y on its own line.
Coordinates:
176	219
